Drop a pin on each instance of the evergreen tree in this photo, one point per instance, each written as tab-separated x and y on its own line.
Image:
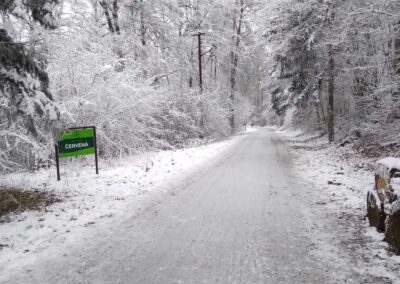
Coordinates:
27	110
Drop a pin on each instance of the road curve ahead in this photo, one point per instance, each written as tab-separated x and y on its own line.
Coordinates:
242	220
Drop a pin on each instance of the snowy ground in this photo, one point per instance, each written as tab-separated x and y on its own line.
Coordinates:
342	234
246	210
93	201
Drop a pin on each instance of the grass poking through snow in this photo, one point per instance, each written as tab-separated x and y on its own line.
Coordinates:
14	200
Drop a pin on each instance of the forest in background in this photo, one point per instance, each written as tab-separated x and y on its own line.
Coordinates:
131	68
334	69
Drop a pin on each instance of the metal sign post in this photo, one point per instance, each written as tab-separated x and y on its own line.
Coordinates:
57	163
74	142
95	150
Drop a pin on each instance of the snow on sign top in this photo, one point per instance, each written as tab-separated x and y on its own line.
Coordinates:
386	165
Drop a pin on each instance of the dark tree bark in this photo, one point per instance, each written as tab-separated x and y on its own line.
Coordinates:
115	16
331	90
234	62
214	62
237	27
142	24
199	51
331	76
107	14
190	72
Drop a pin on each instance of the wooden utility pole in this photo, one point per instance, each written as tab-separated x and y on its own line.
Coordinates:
237	22
199	34
200	55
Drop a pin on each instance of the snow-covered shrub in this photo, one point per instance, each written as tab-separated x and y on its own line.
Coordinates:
215	111
173	119
243	110
98	81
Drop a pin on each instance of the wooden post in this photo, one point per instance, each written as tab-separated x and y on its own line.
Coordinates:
95	150
57	163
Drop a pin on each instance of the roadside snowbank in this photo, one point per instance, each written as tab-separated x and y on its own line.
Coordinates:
341	179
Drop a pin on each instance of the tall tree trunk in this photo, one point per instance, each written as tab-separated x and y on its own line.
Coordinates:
104	4
200	62
237	27
330	16
213	62
142	24
396	64
322	112
191	68
331	90
115	16
319	103
234	62
318	115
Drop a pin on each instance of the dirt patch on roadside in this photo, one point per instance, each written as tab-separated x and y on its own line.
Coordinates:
14	200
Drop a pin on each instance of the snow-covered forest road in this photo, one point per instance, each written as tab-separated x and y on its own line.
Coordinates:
202	141
239	221
244	218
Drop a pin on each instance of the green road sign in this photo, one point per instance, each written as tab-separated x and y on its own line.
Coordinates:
77	142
